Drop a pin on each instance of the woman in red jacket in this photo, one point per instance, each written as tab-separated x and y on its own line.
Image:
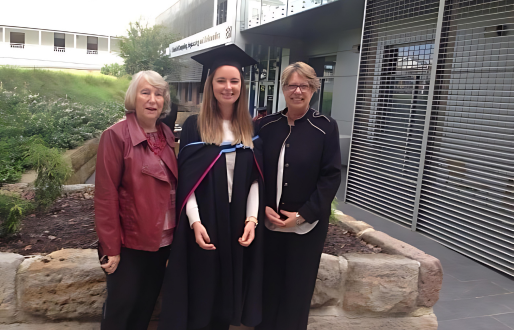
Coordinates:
136	176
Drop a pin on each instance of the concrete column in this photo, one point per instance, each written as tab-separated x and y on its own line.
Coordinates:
215	12
74	41
39	37
3	31
109	44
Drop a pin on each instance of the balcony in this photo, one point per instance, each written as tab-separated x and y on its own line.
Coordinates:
49	56
17	45
256	12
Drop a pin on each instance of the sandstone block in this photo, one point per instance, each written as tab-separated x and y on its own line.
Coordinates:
431	270
355	227
66	284
78	188
330	281
380	284
426	322
9	263
51	326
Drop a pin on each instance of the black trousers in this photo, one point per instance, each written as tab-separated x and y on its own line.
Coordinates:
133	289
215	325
291	263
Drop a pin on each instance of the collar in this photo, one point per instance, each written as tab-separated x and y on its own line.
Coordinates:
136	133
302	118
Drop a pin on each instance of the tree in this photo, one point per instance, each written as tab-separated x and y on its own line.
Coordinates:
145	48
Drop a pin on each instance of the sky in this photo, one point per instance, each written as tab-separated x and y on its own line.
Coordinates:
104	17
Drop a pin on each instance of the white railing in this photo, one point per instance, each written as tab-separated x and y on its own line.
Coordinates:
89	51
15	45
35	55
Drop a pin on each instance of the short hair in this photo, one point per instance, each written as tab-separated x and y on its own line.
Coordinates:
304	70
154	79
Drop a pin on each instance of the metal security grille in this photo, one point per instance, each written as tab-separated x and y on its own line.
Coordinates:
433	148
391	104
467	197
186	70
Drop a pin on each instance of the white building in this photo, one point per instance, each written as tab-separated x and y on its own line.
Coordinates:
52	49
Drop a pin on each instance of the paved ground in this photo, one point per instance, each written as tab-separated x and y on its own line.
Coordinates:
473	297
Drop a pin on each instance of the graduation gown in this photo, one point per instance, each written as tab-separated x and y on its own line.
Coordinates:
224	284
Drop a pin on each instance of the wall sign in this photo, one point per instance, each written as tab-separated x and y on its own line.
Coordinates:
215	36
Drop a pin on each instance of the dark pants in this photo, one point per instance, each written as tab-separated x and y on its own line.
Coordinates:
291	263
133	289
215	325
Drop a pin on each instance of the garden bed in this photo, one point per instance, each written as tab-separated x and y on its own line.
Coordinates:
69	224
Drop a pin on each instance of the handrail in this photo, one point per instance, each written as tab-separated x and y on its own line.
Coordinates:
17	45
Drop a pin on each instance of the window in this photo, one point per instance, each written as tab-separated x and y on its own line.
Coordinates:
222	12
92	45
188	93
324	66
59	43
17	40
199	96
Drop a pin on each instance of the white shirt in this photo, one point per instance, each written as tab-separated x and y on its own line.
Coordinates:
252	204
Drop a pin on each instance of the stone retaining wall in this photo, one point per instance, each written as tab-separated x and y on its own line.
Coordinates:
82	161
393	291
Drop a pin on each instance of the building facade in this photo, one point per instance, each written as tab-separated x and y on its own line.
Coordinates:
39	48
422	91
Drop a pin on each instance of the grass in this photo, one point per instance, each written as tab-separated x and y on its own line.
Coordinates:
82	87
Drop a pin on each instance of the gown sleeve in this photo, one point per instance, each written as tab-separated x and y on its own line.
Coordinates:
252	203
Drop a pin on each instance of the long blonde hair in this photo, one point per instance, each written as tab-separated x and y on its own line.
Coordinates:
210	122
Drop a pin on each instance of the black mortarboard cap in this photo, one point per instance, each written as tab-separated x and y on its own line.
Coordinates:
226	55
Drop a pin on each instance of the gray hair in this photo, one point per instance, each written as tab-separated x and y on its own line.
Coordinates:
154	79
304	70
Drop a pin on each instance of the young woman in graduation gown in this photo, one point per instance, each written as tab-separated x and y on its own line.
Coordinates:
214	275
302	171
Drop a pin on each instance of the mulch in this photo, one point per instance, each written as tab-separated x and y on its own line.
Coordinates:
69	224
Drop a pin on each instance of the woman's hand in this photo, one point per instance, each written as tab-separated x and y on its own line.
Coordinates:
248	235
274	217
291	219
202	238
112	264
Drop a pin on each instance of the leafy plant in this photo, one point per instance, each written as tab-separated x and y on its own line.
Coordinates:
12	210
113	69
52	172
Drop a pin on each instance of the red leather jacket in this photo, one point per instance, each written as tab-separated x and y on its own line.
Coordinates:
132	190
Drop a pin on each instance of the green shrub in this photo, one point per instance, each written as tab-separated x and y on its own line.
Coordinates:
52	172
114	69
13	151
12	210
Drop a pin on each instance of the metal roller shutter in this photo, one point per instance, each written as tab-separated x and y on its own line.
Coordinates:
467	198
434	148
391	103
